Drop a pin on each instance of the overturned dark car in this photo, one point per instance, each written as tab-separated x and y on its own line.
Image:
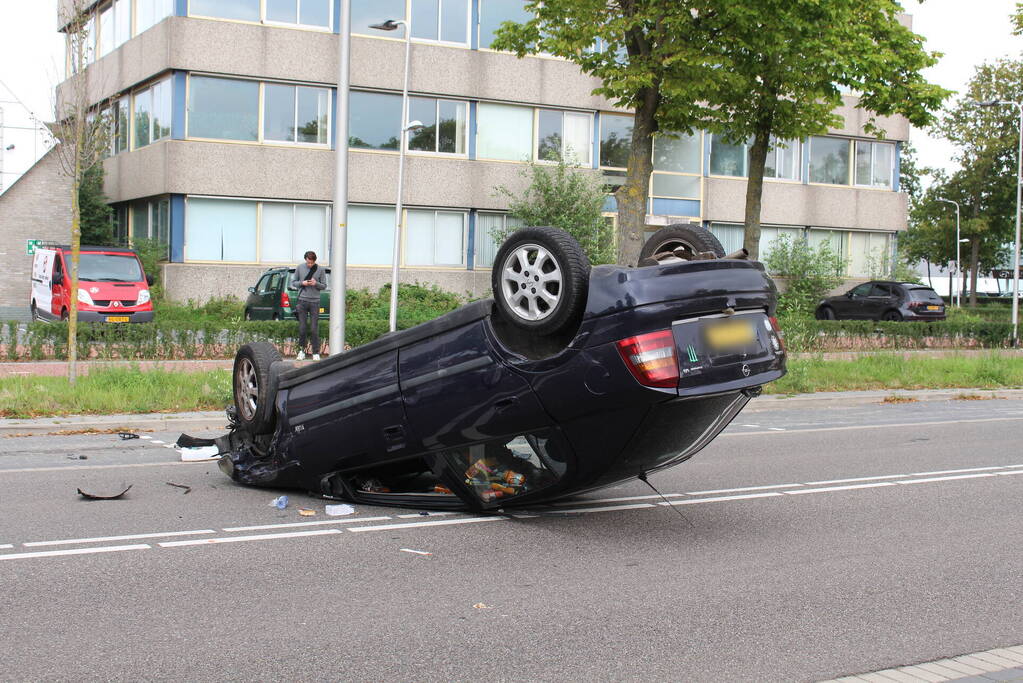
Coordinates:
569	379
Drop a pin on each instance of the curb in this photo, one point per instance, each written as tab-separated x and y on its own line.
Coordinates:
852	398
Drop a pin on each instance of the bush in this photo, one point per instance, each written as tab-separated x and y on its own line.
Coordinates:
803	334
812	272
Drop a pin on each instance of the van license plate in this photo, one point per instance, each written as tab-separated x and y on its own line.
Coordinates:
729	334
934	308
322	310
118	318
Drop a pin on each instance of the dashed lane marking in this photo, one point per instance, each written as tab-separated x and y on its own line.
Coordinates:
104	539
885	425
259	527
440	522
240	539
74	551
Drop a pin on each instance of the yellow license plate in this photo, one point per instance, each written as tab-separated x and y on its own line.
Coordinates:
729	334
934	308
322	310
118	318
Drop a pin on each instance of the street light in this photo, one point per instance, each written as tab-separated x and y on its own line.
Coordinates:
406	126
1019	184
959	290
339	227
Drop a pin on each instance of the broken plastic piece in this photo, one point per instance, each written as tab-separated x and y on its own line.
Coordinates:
127	435
75	456
415	552
197	454
306	512
280	502
103	496
339	510
188	489
480	605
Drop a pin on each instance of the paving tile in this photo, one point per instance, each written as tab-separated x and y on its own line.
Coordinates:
901	676
952	665
876	677
924	674
979	663
1013	674
1008	654
1018	649
1001	662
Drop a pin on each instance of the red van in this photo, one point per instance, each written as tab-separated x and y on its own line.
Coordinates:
112	286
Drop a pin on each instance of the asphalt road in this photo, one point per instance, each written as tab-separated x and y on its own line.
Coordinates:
814	542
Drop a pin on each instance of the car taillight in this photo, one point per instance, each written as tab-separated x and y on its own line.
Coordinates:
778	333
651	358
285	300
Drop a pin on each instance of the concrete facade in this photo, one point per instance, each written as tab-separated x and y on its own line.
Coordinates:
181	167
37	206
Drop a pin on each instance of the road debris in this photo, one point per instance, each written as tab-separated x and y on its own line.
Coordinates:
339	510
103	496
199	454
188	489
480	605
306	512
75	456
415	552
280	502
127	435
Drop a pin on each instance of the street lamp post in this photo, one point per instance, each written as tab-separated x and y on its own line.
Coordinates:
339	226
406	126
959	290
1019	185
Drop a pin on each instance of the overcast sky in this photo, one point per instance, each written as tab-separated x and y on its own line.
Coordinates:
968	32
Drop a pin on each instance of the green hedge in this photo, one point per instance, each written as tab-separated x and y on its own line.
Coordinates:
806	335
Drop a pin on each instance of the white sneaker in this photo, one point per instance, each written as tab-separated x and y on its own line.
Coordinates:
300	356
316	356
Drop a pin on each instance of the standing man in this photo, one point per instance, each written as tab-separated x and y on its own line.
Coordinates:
310	280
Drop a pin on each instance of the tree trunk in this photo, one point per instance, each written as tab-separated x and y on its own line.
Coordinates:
632	195
755	186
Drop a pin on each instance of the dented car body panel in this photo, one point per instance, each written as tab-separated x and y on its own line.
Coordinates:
466	411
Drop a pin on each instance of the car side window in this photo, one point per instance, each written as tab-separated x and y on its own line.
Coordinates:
881	290
262	286
275	282
861	290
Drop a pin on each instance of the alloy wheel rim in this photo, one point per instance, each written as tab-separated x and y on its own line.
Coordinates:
246	388
532	282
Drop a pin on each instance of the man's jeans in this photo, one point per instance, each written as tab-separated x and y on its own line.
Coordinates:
308	315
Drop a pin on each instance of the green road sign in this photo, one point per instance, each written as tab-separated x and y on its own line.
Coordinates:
31	246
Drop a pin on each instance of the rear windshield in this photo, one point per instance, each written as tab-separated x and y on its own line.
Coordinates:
923	294
109	268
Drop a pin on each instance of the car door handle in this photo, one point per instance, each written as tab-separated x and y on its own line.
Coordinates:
506	402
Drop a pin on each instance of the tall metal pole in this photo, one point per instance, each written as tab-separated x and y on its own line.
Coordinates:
957	297
1015	263
1	149
402	140
339	211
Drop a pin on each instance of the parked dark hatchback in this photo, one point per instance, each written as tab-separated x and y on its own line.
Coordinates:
570	379
883	300
273	297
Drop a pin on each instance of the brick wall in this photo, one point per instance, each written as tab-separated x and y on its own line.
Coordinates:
37	206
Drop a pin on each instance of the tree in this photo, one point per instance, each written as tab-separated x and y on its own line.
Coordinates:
81	137
987	139
95	212
811	272
768	70
568	198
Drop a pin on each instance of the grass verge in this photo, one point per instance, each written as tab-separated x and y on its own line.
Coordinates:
892	371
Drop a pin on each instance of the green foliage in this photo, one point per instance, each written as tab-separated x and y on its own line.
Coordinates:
811	271
564	197
96	214
804	334
151	253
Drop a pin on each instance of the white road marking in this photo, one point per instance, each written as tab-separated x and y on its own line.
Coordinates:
1013	472
299	524
739	490
776	429
258	537
68	468
966	469
440	522
623	499
607	508
893	425
850	487
130	537
852	479
721	498
415	552
930	479
156	441
75	551
426	514
5	546
143	436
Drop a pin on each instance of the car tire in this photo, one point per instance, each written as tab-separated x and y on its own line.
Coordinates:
826	313
64	315
253	401
248	315
694	239
548	306
892	316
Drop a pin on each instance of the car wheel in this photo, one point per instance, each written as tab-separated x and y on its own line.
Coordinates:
693	239
892	316
825	313
64	314
248	315
251	376
540	278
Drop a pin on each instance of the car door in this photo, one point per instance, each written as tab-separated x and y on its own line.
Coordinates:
851	307
60	284
881	299
257	299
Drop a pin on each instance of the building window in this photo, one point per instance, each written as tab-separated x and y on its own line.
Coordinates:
504	132
150	220
446	21
153	113
150	12
565	135
301	12
770	236
493	12
296	114
106	30
220	230
444	125
783	160
615	140
366	13
370	235
222	108
672	185
487	223
875	164
122	22
727	158
678	155
243	10
829	161
289	230
435	238
834	239
374	120
869	254
119	126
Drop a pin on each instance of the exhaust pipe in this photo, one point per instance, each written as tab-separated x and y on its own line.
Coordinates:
741	254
